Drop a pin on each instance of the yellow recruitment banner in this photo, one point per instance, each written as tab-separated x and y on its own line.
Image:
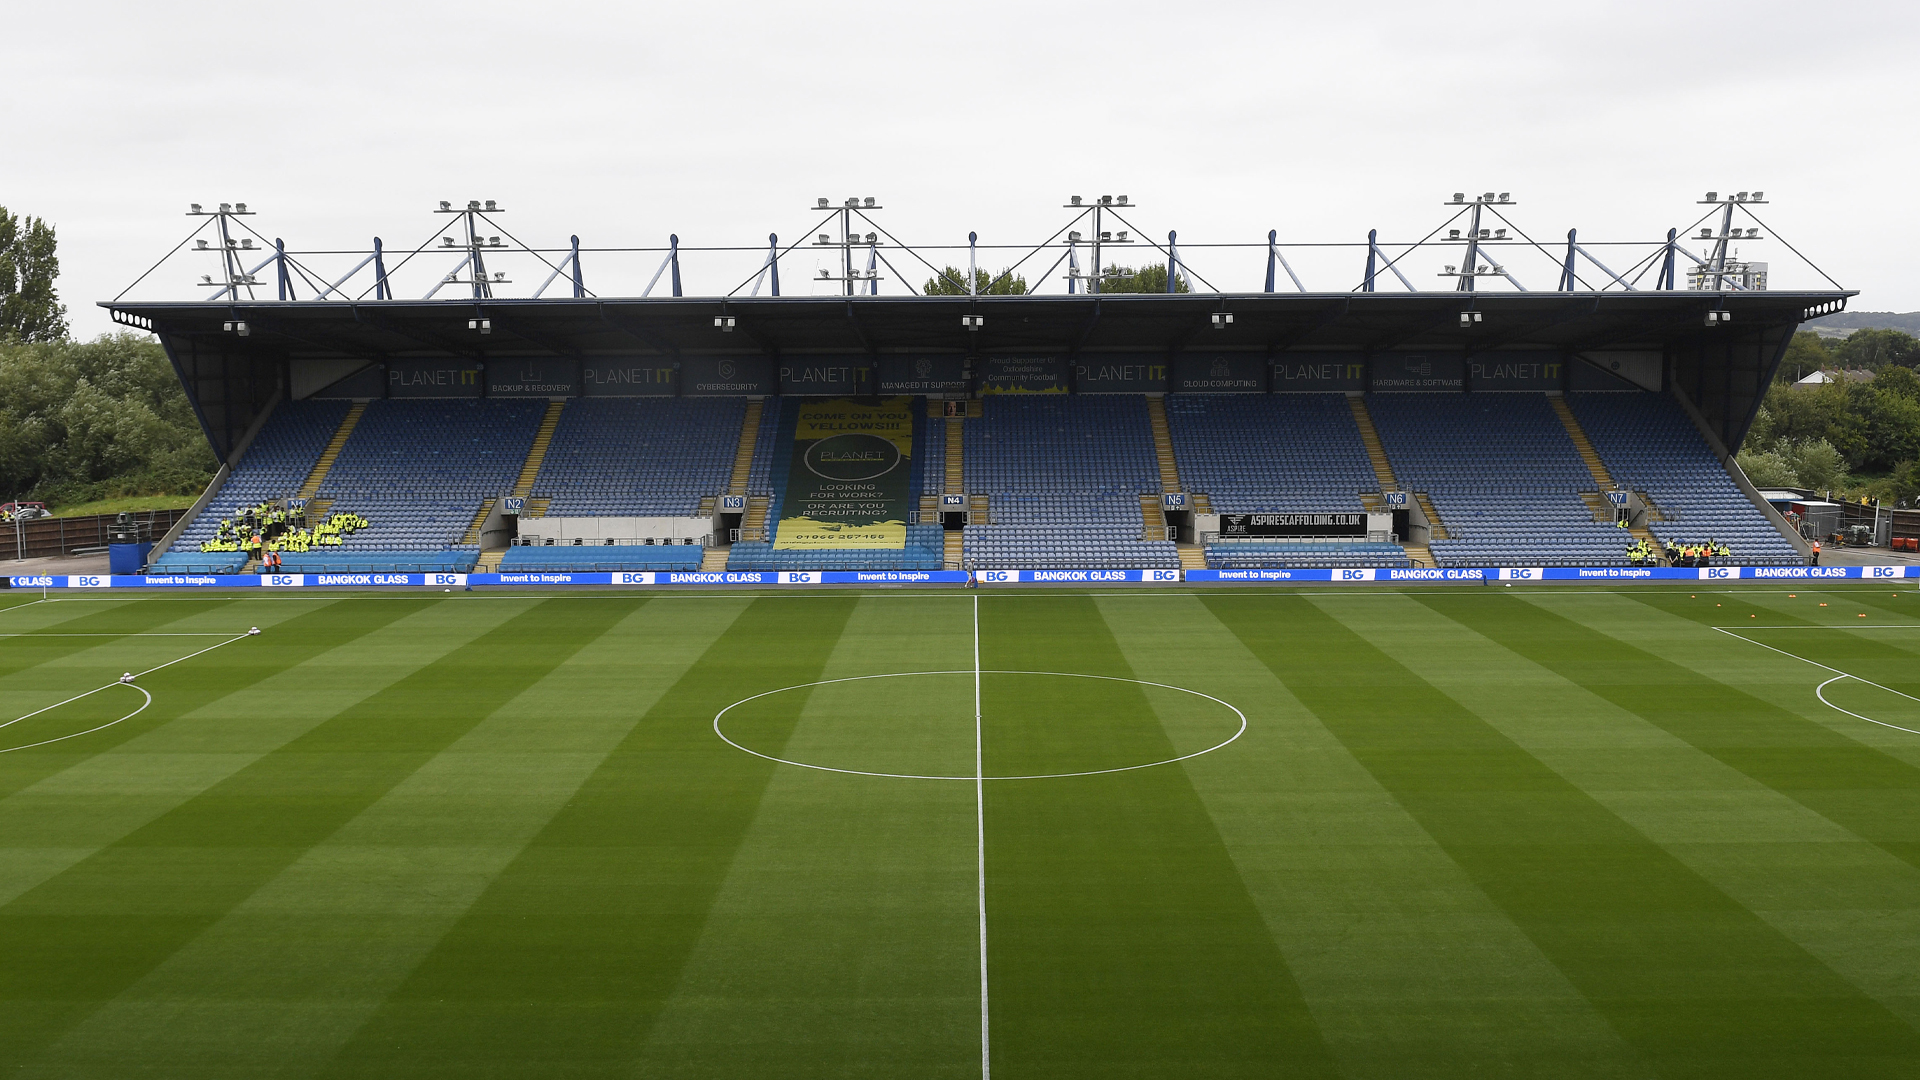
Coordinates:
851	476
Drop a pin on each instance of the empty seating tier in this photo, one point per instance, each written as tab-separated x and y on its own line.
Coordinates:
587	557
1270	453
419	470
1649	444
1064	475
1502	474
639	457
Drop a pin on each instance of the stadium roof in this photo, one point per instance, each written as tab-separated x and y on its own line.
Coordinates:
1721	348
377	330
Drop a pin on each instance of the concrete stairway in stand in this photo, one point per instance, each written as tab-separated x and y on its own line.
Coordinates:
1383	474
1602	507
537	453
318	474
955	482
1163	445
743	454
753	524
472	535
1370	438
952	549
714	559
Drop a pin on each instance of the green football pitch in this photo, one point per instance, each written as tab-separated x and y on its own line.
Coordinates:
1372	832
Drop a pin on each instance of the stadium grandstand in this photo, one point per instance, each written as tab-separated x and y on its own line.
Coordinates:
1583	427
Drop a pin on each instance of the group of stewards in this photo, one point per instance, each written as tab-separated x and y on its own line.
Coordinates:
1697	554
269	528
1644	553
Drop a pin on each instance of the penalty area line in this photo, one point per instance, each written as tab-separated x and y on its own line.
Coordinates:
147	698
1819	691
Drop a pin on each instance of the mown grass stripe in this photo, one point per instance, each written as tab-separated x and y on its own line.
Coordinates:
1408	968
1122	941
335	933
563	964
1809	878
1873	794
1695	981
842	941
86	935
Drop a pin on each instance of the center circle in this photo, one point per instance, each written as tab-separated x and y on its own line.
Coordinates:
1231	722
853	456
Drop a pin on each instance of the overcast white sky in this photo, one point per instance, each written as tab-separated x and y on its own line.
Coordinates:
623	122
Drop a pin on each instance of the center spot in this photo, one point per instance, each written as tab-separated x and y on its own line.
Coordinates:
1032	725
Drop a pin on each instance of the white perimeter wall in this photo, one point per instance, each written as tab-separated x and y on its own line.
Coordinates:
566	529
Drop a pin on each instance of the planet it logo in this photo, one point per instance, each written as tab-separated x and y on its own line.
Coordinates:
1220	370
728	370
923	366
853	456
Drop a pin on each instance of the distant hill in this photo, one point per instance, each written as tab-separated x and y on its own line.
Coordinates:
1846	322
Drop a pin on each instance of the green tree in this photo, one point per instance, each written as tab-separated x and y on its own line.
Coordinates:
1876	349
1806	354
953	282
30	309
1151	278
1767	468
97	419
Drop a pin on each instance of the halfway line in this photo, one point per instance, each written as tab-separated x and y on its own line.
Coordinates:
980	837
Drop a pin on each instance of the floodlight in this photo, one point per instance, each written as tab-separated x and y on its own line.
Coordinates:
1105	236
239	208
193	208
1483	268
1713	196
823	273
1072	238
1222	320
485	326
1486	234
1706	233
491	206
232	242
1123	238
446	241
445	206
1106	200
1469	318
1459	196
869	200
1488	197
853	200
1499	234
494	241
1504	196
241	328
1715	318
206	279
226	208
473	204
821	202
1759	196
723	323
871	238
499	275
1075	200
1123	200
1453	234
1740	197
825	239
1451	268
202	244
973	322
246	242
